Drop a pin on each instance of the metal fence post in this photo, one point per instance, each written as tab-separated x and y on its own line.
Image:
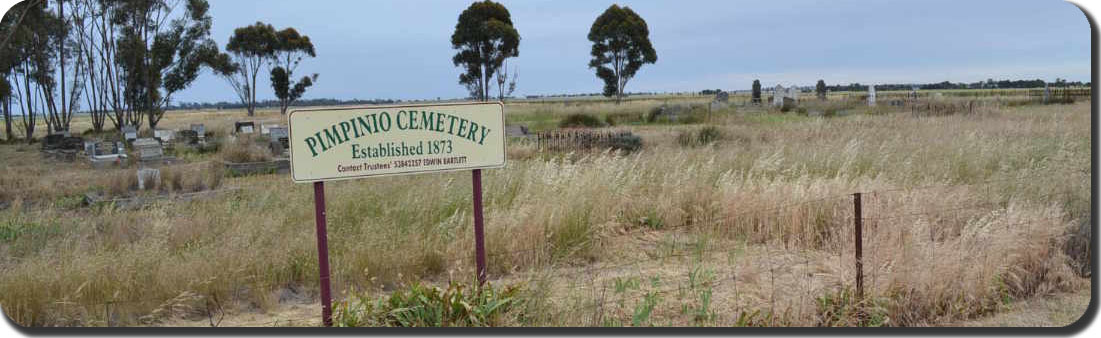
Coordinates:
858	238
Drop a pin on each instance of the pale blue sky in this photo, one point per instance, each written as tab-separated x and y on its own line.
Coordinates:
401	49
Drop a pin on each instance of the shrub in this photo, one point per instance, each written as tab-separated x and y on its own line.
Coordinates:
429	306
580	121
244	150
626	141
703	136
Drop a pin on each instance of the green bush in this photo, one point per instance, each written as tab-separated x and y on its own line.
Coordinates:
429	306
703	136
627	142
580	121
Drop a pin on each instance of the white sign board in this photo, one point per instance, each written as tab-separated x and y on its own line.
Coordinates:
347	143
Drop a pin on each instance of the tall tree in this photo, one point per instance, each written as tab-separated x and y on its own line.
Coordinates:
288	52
484	37
30	59
248	49
161	53
820	89
621	45
756	91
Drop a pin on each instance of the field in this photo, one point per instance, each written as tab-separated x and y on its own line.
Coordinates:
965	214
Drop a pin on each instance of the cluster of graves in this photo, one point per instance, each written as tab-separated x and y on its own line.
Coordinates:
277	135
151	150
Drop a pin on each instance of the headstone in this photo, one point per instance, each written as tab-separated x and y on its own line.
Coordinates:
189	137
148	149
164	135
246	127
53	141
277	132
722	96
778	96
89	148
199	130
1047	92
871	95
266	128
913	91
129	133
148	177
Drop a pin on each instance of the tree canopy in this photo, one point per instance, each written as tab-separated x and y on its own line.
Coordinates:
289	50
621	45
484	38
249	48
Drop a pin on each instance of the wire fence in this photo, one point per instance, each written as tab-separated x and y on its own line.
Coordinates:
791	256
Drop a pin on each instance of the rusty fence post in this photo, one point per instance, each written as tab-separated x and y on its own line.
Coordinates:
858	238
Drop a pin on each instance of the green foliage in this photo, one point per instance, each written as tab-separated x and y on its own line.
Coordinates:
251	47
704	136
158	58
574	234
842	309
289	50
621	40
644	309
580	121
627	142
484	38
429	306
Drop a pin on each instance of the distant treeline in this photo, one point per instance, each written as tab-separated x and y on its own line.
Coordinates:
274	103
988	84
591	94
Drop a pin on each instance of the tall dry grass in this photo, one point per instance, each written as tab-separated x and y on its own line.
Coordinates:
549	215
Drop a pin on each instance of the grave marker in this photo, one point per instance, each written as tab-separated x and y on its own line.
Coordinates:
148	177
148	149
164	135
871	95
129	133
244	127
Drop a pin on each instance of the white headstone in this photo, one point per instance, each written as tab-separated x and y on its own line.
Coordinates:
129	133
147	177
148	149
778	96
871	95
164	135
1047	92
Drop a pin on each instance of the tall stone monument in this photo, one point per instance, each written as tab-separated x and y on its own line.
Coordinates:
871	95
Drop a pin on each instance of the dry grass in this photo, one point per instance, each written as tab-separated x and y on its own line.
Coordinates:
566	224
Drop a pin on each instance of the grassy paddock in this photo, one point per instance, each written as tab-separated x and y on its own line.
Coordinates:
672	235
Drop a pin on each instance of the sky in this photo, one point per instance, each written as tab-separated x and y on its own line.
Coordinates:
402	49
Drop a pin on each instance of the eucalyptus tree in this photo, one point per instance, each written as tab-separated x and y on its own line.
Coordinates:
29	62
621	45
248	50
485	38
160	52
289	50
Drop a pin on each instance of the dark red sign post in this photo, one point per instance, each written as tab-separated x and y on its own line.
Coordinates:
323	252
479	237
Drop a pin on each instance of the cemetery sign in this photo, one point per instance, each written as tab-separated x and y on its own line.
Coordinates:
346	143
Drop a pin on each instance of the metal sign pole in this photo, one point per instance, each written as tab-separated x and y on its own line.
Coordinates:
479	237
323	253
